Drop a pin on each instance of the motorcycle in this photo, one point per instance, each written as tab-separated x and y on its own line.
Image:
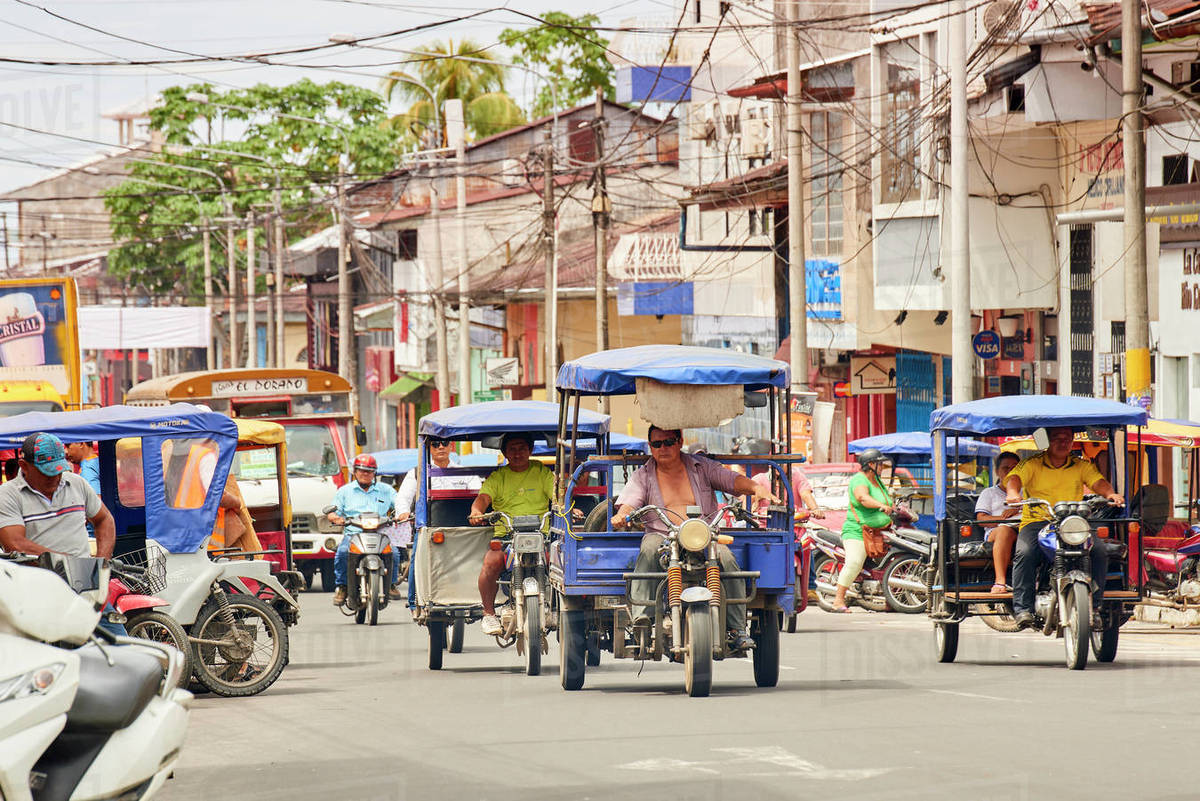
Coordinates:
100	721
871	590
523	618
370	563
1172	573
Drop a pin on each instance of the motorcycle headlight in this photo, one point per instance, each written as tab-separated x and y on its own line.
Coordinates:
694	535
331	544
1074	530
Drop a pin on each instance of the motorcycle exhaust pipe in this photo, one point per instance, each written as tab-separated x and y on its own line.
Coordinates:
908	584
827	587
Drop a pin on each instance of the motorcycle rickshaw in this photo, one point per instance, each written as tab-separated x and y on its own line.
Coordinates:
163	470
260	468
449	551
959	574
592	567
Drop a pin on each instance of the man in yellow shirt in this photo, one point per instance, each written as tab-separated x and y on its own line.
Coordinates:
1053	476
521	487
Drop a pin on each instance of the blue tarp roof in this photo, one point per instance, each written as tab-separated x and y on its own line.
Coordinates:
396	462
1021	414
920	443
616	444
479	420
615	372
176	529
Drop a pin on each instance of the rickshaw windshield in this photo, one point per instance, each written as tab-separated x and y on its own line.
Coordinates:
311	451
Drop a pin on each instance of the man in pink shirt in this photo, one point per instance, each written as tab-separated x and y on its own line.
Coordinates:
802	491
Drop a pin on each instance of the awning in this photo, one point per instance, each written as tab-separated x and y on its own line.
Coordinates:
406	385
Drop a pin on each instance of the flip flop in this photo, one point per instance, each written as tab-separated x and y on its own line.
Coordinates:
998	588
840	610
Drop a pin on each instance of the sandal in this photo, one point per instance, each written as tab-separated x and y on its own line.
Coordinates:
841	610
998	588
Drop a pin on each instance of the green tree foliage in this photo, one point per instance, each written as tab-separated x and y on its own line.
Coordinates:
569	53
448	74
159	211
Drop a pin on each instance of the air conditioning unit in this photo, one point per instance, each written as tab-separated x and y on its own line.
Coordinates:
512	173
756	134
1001	17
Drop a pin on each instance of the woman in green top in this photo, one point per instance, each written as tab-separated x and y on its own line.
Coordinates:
870	505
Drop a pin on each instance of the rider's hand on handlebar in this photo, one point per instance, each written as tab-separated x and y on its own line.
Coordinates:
337	520
476	518
1116	499
817	513
619	521
761	493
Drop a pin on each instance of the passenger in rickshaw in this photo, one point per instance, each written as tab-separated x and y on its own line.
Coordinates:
675	481
83	456
520	487
1053	476
801	490
363	494
991	506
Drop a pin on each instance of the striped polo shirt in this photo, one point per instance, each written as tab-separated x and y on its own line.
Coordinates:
59	522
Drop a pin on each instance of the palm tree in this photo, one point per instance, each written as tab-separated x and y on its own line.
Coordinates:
488	108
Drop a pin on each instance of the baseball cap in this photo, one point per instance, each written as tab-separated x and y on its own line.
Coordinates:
46	453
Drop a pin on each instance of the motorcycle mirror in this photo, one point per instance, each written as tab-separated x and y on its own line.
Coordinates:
360	434
1041	439
328	509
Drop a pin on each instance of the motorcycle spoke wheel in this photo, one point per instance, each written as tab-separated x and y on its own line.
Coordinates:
251	653
162	628
698	652
1077	628
903	599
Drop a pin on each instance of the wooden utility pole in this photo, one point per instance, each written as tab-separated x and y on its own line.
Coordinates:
797	292
601	220
1137	325
251	323
551	284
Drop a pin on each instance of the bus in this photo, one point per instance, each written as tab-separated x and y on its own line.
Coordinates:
313	406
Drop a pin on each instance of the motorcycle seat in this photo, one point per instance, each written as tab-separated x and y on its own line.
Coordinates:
827	535
915	535
111	698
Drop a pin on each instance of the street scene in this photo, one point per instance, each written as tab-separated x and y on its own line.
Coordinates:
751	399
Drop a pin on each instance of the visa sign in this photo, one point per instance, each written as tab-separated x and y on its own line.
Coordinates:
986	344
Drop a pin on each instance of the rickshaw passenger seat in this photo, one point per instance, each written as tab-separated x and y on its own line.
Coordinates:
1153	504
449	512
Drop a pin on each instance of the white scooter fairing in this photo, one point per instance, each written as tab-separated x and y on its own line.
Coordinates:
190	577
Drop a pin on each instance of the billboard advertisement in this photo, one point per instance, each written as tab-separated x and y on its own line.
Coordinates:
39	335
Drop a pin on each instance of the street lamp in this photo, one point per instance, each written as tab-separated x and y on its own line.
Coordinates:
345	330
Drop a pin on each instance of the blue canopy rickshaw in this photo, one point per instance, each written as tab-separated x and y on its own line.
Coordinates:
449	551
590	569
957	574
913	450
166	448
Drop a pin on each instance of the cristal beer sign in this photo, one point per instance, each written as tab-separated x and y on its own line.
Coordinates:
22	327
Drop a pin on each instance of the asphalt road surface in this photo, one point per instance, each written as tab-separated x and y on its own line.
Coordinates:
862	711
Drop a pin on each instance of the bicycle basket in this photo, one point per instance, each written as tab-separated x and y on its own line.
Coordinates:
153	561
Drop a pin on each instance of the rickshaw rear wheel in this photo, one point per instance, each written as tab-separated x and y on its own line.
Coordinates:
698	651
533	637
1077	627
454	635
437	642
766	651
945	637
1104	643
326	569
572	648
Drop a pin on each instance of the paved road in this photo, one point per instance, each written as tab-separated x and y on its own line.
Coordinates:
861	711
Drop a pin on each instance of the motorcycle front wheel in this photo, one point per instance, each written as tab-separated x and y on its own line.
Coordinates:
239	648
698	651
374	591
161	627
1077	626
907	600
533	637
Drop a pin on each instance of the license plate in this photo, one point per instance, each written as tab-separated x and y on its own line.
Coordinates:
527	543
610	601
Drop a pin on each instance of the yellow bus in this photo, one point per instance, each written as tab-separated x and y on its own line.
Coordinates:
313	407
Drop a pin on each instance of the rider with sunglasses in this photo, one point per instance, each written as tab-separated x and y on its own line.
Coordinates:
674	481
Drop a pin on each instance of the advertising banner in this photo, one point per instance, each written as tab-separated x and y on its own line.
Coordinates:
39	336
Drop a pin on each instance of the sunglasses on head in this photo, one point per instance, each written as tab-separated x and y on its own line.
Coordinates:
664	443
438	443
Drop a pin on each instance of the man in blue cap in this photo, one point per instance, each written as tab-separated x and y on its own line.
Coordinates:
46	507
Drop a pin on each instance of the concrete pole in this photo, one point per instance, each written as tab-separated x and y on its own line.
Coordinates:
962	384
797	288
1137	325
551	289
269	274
601	219
464	277
345	324
280	252
208	296
231	258
439	300
251	323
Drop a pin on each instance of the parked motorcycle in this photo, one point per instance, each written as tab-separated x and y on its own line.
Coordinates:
906	546
523	618
92	722
369	566
1172	574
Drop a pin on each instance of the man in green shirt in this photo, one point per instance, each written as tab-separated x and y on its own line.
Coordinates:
520	487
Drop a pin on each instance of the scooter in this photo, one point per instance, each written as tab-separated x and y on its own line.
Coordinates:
81	723
868	589
370	563
1172	574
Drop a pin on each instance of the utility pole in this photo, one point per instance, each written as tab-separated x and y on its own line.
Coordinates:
455	124
439	299
269	275
551	285
962	382
251	323
280	251
208	294
797	288
1137	326
231	260
601	219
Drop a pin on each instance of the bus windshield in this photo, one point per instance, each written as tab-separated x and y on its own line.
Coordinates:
9	408
310	450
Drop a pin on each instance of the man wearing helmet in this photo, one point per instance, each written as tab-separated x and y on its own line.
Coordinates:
363	494
870	505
